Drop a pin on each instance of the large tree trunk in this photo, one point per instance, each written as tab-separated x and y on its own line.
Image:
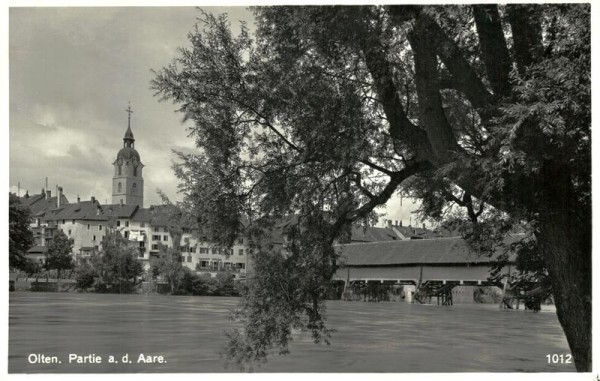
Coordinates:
565	238
567	256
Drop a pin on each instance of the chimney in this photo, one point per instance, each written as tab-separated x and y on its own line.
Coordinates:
59	196
26	194
400	223
48	195
78	199
389	224
423	225
93	199
396	224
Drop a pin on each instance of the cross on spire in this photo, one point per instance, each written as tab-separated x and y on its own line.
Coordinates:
129	112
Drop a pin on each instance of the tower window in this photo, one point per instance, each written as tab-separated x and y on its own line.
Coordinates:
120	167
119	186
134	171
134	188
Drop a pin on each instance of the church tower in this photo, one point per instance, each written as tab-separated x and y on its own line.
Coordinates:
128	184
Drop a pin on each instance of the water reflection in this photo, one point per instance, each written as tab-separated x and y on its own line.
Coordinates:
188	332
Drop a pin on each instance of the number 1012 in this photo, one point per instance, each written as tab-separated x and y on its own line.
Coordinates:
559	359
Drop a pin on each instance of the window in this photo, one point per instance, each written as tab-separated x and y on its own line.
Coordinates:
165	238
126	223
156	238
142	245
134	171
118	223
88	227
120	169
189	258
192	250
64	222
134	188
99	227
241	252
73	221
93	238
203	263
156	229
203	250
119	186
155	247
126	234
215	250
241	241
69	232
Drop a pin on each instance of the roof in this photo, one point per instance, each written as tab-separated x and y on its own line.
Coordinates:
118	210
38	204
84	210
127	153
372	234
128	134
142	215
38	249
156	215
452	250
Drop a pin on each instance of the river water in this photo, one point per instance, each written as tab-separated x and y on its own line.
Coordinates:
188	333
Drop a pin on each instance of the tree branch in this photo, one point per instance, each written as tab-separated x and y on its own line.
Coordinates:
433	117
401	128
464	78
527	34
494	51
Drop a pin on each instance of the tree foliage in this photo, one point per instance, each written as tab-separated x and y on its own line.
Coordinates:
60	253
20	237
329	111
115	268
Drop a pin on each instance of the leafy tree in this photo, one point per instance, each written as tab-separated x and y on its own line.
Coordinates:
116	266
169	266
332	110
60	255
20	238
176	219
85	276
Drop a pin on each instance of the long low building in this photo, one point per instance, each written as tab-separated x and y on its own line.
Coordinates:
414	261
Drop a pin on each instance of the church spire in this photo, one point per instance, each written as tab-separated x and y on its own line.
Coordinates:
128	139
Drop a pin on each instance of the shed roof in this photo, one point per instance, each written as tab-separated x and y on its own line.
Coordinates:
452	250
38	249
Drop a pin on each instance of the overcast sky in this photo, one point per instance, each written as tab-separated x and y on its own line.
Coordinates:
72	73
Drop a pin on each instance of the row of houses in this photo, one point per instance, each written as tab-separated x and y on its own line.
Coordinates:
87	222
